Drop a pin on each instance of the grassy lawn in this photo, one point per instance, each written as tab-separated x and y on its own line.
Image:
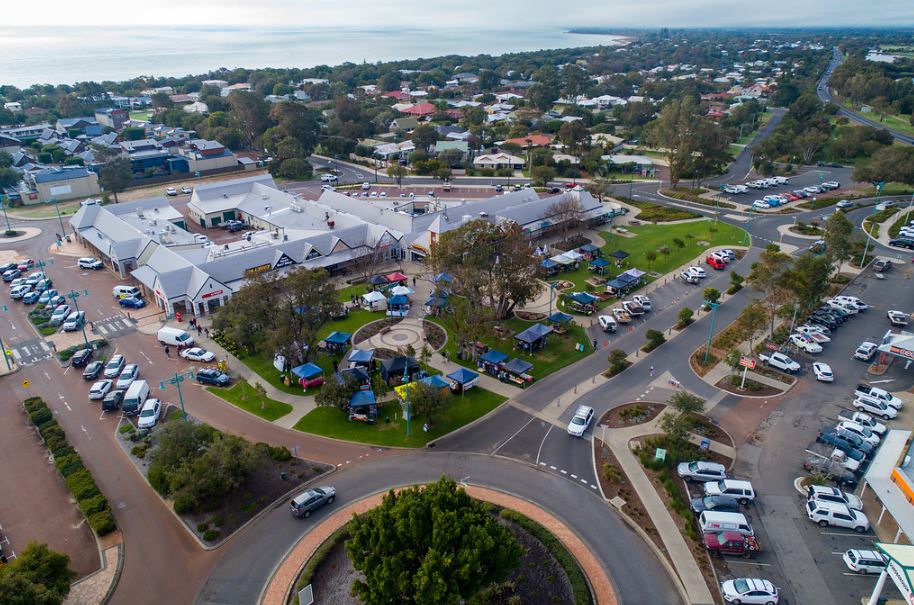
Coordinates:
45	210
898	122
764	118
141	116
244	396
355	320
390	429
559	352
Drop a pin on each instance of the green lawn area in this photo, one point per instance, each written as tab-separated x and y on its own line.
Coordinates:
898	122
347	292
45	210
704	235
764	118
244	396
390	429
141	116
355	320
559	352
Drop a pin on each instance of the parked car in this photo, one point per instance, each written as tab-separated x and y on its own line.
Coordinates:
749	591
866	390
823	372
897	318
642	300
149	415
46	296
697	272
580	421
853	448
833	494
863	420
26	264
865	561
700	470
741	490
688	278
186	190
607	323
93	370
902	242
780	361
875	407
832	470
731	543
805	343
19	292
760	205
882	265
861	431
171	191
861	306
74	321
198	354
213	377
114	366
837	515
88	262
307	502
132	303
831	185
11	274
99	389
716	263
113	401
81	358
721	504
843	204
814	329
60	315
130	373
31	297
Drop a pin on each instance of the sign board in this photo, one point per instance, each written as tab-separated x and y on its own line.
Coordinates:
284	261
61	190
900	578
660	454
705	443
258	269
747	362
211	294
906	353
25	384
306	595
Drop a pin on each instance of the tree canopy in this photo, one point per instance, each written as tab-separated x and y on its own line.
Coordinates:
37	576
431	545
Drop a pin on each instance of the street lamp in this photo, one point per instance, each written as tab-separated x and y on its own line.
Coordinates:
551	291
63	231
406	394
713	306
5	217
866	246
176	380
73	295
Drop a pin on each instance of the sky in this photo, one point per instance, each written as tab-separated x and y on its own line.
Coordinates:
441	13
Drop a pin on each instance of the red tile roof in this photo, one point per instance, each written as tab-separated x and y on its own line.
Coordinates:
536	140
421	109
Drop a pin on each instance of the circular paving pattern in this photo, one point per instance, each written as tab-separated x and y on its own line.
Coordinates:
401	336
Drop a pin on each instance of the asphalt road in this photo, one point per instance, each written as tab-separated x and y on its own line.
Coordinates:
824	93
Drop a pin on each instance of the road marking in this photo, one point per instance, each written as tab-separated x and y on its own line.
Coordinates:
584	481
68	406
552	468
563	471
67	370
846	535
102	417
882	381
146	357
59	396
539	451
542	464
731	561
592	486
101	328
44	346
46	375
861	575
532	418
573	476
86	432
17	357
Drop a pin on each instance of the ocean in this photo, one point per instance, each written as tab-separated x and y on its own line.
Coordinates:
55	55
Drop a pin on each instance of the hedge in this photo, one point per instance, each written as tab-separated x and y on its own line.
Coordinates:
69	464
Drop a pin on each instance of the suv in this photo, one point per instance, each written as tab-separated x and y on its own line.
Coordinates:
882	265
305	503
701	471
580	421
81	358
718	504
688	278
833	494
113	401
87	262
213	376
864	561
741	490
731	543
837	515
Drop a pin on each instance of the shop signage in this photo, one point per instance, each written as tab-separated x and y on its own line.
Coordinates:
211	294
258	269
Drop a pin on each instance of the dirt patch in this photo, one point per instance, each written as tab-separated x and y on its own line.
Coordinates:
386	353
564	284
530	316
373	328
696	360
731	385
631	414
434	335
538	580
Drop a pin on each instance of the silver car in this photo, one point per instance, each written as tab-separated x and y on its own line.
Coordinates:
305	503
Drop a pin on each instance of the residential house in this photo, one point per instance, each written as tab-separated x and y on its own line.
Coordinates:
242	87
388	151
203	155
9	144
497	161
406	123
112	118
420	109
442	146
13	106
75	126
196	107
220	84
532	140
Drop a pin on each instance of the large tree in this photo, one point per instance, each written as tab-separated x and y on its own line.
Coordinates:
307	302
895	163
673	134
427	401
424	136
432	545
116	175
251	115
297	122
771	276
37	576
838	234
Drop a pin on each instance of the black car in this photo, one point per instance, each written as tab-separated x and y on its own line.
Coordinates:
555	190
7	266
902	242
93	370
213	377
81	358
823	320
113	401
718	504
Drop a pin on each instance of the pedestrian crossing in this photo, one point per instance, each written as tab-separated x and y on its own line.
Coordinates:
30	352
112	327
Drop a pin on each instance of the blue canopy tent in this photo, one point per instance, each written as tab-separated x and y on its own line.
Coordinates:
437	381
463	379
534	337
435	305
516	371
377	280
358	374
494	357
549	266
590	251
582	302
363	406
307	370
361	356
559	318
585	298
442	278
362	398
337	341
620	254
598	265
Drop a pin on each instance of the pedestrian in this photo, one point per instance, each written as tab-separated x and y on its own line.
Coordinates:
652	370
414	281
167	351
206	331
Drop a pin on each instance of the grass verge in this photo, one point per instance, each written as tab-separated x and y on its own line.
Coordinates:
246	397
655	213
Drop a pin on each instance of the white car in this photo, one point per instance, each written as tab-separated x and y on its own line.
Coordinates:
198	354
171	191
760	205
607	323
366	186
816	332
697	271
88	262
875	407
186	190
99	389
845	204
805	343
864	561
150	413
729	253
700	470
580	421
720	256
823	372
833	494
826	513
130	373
642	300
749	590
848	307
114	366
861	306
866	351
329	178
859	430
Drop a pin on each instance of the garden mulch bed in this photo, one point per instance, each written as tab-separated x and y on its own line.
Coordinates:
621	417
538	580
386	353
262	487
530	316
434	335
755	388
370	329
707	427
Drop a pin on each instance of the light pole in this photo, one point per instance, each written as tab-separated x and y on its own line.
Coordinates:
176	380
6	355
866	246
713	306
63	231
551	291
406	394
5	217
73	295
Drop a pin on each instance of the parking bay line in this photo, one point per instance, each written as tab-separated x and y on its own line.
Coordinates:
730	561
853	535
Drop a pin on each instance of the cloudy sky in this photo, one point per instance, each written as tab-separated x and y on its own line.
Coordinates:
438	13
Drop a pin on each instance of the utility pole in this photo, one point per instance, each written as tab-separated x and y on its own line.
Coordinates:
73	295
866	246
176	380
5	217
406	394
63	231
713	306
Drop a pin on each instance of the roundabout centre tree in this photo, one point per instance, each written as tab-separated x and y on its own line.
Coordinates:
430	545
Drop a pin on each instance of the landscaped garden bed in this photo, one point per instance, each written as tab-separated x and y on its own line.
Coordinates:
375	327
694	196
435	335
215	482
631	414
731	384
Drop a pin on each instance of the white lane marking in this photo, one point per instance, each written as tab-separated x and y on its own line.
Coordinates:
17	356
146	357
542	464
101	328
846	535
882	381
46	375
543	442
573	476
516	433
729	561
584	481
563	471
67	370
86	432
592	486
67	406
44	346
102	417
552	468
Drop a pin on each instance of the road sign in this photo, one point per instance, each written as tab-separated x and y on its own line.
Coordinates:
25	384
705	443
660	454
747	362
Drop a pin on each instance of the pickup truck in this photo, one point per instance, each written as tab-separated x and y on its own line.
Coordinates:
875	407
805	343
621	316
633	308
898	318
865	390
851	462
819	337
644	301
833	470
863	420
780	361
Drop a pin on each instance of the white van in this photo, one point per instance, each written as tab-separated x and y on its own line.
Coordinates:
711	522
125	292
175	337
136	396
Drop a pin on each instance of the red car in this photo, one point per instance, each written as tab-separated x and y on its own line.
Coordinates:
731	543
569	185
791	197
25	265
716	263
307	383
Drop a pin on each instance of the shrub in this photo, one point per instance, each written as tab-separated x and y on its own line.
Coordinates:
320	553
67	465
93	504
612	473
127	427
40	416
81	484
158	480
210	534
618	361
102	522
218	521
632	412
656	213
64	451
685	318
202	527
279	453
655	338
139	450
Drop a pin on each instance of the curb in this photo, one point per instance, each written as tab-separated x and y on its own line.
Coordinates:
119	569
